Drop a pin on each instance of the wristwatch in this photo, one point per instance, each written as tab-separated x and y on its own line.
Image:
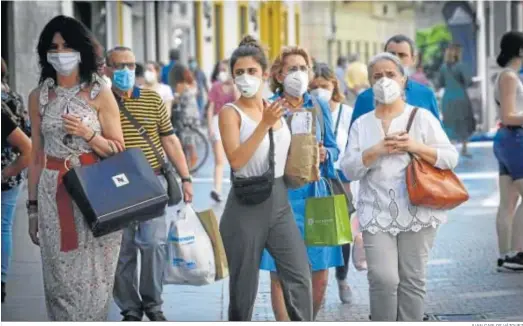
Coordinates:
31	203
186	179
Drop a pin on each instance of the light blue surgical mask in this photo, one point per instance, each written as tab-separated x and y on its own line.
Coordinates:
123	79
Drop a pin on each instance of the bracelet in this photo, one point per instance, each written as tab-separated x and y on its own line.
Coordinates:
33	214
92	137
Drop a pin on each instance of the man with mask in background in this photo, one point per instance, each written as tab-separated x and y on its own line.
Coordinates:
201	81
417	95
138	291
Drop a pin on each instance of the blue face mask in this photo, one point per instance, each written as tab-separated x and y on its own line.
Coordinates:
192	65
123	79
4	96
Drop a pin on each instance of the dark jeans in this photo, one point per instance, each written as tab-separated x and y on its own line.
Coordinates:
341	271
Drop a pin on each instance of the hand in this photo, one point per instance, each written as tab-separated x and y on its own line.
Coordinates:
187	192
33	230
384	147
323	153
403	143
74	126
273	113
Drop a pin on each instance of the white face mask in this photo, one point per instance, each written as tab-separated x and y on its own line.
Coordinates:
64	63
295	84
323	94
248	85
386	90
223	76
150	77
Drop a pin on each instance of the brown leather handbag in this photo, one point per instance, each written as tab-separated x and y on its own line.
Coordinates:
429	186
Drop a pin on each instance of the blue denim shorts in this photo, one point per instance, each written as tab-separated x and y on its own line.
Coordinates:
508	148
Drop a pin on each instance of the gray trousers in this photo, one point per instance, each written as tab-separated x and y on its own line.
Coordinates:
396	273
246	231
135	295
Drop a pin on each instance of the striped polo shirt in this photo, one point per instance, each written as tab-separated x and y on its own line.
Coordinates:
148	108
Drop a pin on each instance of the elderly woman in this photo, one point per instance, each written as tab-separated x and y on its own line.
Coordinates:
397	235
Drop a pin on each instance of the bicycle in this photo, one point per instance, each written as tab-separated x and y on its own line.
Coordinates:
194	142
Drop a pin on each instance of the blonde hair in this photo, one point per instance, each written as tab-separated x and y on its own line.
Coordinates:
357	75
279	62
453	53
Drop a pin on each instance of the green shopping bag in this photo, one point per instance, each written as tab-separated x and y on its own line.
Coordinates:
327	221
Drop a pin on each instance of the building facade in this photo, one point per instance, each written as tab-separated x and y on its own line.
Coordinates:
206	30
339	28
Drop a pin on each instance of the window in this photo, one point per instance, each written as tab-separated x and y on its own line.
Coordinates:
244	20
367	54
183	8
375	48
358	48
339	49
218	31
349	47
514	14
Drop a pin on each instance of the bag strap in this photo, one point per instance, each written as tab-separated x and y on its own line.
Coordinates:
338	121
411	119
272	162
141	130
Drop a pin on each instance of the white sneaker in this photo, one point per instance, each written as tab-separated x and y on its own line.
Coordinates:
345	292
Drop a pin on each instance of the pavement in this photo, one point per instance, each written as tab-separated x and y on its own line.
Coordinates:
462	281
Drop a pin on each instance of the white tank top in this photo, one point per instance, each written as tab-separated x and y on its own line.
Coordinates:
259	162
519	93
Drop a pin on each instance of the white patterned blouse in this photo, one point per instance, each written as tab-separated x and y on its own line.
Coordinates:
383	202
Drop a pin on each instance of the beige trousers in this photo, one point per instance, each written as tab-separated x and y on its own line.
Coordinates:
396	273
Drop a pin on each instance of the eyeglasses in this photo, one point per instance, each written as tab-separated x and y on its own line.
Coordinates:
303	68
122	65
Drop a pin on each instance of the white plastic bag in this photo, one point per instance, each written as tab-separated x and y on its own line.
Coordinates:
189	251
358	251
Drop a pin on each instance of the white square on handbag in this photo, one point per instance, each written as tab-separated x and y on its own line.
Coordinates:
301	123
120	180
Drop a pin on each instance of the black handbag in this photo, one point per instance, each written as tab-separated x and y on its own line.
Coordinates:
255	190
173	189
116	191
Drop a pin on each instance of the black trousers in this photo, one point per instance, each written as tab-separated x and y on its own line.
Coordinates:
341	271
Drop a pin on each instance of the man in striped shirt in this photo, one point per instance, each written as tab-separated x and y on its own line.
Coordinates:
149	237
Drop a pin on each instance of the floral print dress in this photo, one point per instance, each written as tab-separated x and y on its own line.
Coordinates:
13	106
78	284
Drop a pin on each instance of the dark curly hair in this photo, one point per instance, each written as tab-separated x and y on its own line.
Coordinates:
78	38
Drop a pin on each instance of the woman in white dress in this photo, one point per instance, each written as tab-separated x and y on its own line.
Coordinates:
74	121
397	235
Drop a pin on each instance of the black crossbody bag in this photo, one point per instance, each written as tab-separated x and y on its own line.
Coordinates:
173	189
256	190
